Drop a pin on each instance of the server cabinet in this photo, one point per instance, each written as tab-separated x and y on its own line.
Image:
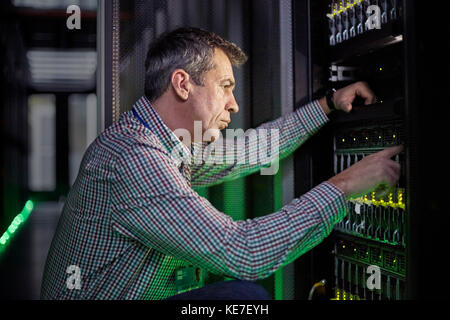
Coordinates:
386	248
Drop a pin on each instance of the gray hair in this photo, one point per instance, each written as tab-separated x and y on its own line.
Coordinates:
190	49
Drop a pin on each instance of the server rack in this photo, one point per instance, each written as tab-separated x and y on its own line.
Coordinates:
394	47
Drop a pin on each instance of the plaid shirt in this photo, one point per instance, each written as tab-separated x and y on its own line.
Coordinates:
132	218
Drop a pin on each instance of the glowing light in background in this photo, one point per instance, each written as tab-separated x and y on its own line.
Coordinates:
16	223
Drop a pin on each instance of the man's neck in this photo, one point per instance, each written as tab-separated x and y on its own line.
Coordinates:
173	115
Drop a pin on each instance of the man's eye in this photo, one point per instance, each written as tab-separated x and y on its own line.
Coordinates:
228	86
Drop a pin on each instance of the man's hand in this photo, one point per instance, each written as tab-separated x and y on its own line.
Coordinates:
344	97
376	172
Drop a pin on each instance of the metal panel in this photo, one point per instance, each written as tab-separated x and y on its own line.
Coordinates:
303	157
284	278
108	62
103	88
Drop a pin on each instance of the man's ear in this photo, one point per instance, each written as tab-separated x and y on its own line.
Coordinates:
181	84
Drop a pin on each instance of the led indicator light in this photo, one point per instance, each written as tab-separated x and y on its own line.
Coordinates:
15	224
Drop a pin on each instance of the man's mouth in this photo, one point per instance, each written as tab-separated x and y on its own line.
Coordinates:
224	124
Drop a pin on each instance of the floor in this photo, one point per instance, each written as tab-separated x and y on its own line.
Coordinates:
22	263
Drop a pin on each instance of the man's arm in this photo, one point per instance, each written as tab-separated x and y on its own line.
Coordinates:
153	204
280	137
263	147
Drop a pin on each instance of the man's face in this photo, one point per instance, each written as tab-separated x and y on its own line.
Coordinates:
214	101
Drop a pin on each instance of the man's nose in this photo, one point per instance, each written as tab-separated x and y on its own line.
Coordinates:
232	105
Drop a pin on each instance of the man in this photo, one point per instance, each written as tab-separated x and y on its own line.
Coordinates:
132	221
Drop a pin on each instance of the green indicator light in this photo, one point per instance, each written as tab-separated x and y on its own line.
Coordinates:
29	205
15	224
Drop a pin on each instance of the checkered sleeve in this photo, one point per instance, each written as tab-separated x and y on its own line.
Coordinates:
259	149
153	204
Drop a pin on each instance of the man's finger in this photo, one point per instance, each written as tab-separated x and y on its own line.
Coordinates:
383	191
366	93
392	151
348	108
396	166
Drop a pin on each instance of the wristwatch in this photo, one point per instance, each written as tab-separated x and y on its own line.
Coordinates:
329	97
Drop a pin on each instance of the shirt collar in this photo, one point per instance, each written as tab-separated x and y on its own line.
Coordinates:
177	150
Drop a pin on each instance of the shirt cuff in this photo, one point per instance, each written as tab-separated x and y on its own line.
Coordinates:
331	203
312	116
